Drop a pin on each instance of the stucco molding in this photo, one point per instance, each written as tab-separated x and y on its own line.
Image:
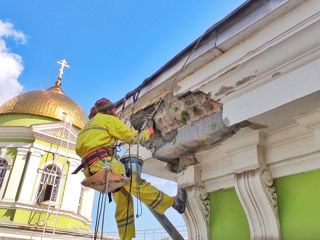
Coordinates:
311	122
43	132
292	149
22	152
197	212
270	36
204	201
198	206
16	132
36	152
15	144
258	198
61	152
46	132
254	185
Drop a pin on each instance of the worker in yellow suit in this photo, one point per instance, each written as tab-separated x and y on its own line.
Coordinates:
95	144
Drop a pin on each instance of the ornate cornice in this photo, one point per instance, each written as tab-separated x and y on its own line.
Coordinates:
43	132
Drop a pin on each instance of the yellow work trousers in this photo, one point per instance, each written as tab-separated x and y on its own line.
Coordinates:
148	194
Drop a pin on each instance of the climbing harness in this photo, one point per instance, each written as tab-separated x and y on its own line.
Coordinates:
92	158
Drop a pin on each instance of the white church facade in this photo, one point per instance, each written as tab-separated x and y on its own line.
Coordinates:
39	197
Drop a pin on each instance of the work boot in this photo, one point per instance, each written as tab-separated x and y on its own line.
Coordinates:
180	201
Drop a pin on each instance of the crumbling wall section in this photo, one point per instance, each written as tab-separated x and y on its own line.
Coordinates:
173	113
183	126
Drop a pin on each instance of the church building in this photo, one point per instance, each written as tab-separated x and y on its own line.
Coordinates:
39	197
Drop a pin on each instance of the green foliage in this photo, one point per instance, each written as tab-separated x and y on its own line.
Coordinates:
184	113
186	102
192	108
174	108
212	125
173	141
182	121
159	120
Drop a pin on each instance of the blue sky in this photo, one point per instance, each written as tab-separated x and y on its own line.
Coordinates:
111	46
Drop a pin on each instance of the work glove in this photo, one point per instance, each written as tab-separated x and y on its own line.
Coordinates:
151	131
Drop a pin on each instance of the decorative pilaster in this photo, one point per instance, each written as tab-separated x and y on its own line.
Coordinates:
254	184
87	199
25	195
16	174
72	189
198	207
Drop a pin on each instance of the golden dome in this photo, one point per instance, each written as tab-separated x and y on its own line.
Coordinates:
51	103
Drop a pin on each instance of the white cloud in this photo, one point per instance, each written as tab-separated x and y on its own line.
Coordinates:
11	63
7	30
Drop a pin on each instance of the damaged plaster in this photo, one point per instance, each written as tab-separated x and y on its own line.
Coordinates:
174	113
183	126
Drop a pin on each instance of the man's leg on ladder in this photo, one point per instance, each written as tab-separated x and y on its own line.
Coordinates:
121	214
150	195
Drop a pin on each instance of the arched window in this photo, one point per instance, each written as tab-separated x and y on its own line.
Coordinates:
3	170
49	184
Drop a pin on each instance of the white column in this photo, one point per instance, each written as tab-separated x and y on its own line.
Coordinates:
197	211
25	195
87	203
254	184
16	175
72	188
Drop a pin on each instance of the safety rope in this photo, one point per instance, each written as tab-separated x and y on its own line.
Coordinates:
150	116
128	201
103	195
138	172
147	118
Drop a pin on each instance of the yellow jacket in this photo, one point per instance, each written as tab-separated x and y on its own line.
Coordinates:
102	131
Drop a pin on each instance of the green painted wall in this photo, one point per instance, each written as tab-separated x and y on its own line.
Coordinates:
11	152
54	146
49	157
26	216
227	218
7	214
38	218
23	120
299	206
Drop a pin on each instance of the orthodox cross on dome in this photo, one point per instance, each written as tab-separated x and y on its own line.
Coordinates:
63	64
